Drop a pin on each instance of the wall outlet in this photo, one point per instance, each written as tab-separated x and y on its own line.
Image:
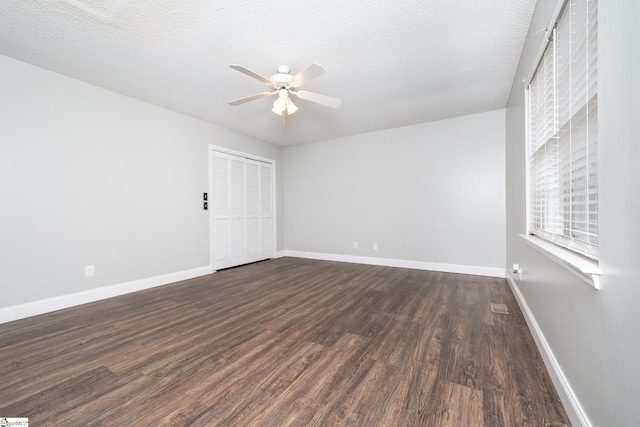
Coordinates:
517	270
355	245
375	246
88	271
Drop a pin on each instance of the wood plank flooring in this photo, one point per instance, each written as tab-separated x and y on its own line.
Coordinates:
284	342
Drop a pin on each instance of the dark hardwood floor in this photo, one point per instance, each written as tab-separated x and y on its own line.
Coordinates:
283	342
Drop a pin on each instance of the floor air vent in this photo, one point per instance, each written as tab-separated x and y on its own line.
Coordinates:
499	308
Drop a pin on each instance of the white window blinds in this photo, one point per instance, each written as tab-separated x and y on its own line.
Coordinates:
563	133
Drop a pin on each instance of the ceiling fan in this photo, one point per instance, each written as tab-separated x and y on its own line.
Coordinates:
284	85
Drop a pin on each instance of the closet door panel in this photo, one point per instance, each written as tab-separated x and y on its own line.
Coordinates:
266	235
237	188
266	190
253	236
266	210
220	210
238	247
221	242
253	210
253	191
241	209
219	201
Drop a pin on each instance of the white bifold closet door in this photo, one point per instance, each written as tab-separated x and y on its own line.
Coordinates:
242	211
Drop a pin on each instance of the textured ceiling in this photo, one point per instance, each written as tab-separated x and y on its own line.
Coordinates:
392	62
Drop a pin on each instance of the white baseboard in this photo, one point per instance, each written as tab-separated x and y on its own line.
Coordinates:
572	405
20	311
388	262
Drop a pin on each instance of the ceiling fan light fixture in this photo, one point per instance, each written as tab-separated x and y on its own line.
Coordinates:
284	103
291	107
279	106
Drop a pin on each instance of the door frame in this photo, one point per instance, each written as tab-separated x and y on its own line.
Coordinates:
247	156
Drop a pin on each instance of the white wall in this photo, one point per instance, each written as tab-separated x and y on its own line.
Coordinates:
432	192
594	335
88	176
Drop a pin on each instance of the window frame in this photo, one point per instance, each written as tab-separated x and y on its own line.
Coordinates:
583	263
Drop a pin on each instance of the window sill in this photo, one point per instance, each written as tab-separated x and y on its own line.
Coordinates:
583	267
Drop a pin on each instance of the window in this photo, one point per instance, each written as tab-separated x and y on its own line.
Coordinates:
563	133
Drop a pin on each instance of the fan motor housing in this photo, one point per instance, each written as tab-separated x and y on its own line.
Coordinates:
282	78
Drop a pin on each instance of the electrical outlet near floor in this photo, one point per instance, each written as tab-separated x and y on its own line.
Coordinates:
355	245
89	271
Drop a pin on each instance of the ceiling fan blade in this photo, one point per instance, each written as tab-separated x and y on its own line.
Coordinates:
309	73
319	99
253	74
251	98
